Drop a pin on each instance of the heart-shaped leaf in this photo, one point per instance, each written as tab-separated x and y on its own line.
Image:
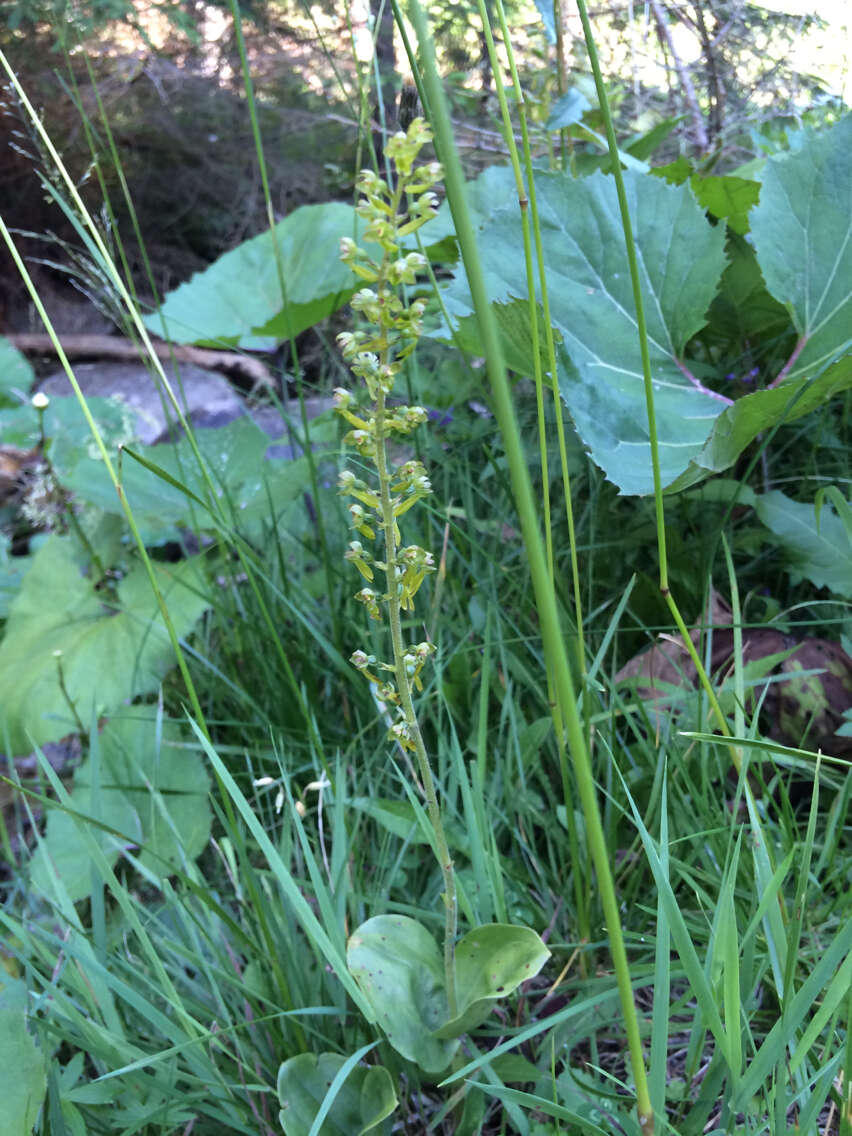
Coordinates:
491	962
110	649
399	967
362	1102
136	757
22	1070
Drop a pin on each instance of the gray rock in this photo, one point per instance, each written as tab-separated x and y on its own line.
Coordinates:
206	397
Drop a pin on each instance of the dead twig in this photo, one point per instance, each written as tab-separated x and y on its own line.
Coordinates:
113	347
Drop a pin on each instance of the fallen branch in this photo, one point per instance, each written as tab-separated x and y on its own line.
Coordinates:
113	347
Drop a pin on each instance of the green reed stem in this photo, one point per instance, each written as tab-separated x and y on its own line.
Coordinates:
529	211
545	598
548	335
642	334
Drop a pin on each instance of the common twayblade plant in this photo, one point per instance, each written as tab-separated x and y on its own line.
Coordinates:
423	998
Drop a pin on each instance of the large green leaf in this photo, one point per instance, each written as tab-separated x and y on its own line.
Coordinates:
729	198
821	553
744	316
494	189
491	962
66	427
22	1071
251	489
363	1101
681	259
12	570
568	109
238	299
802	230
136	761
110	650
738	425
399	968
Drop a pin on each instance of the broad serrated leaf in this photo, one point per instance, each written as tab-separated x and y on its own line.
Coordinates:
65	852
144	760
238	299
740	424
23	1080
545	11
681	259
821	553
245	481
744	315
676	172
728	198
494	189
802	231
364	1100
111	650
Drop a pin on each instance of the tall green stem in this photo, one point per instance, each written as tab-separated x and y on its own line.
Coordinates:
530	221
553	641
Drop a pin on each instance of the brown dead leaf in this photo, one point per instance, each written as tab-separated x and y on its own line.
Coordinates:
799	711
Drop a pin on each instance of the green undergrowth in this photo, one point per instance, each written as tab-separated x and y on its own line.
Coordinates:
186	913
